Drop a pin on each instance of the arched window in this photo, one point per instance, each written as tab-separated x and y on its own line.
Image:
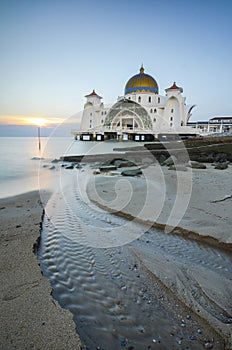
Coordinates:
158	99
171	118
155	110
102	121
172	110
139	99
154	120
149	99
170	124
151	111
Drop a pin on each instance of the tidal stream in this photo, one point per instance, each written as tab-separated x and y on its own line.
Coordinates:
116	300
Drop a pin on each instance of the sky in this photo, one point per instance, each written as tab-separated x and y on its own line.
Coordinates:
54	52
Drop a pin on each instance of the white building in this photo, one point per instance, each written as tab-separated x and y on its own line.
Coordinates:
216	125
142	114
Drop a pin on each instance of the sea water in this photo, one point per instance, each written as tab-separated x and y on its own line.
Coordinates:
22	162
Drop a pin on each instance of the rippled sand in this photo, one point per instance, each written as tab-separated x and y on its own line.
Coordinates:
149	289
29	317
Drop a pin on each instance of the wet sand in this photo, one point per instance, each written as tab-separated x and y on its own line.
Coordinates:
30	318
201	205
202	212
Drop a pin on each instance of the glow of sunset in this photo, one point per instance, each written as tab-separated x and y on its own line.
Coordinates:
30	121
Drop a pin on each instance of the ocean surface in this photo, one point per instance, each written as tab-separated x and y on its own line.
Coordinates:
22	163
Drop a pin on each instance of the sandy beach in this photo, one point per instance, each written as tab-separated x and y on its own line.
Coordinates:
196	204
30	318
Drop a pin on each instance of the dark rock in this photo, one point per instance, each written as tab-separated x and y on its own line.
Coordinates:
123	163
161	158
220	157
69	167
221	166
132	172
108	162
196	165
178	167
107	168
170	161
37	158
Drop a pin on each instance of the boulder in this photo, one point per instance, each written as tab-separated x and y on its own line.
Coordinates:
221	166
196	165
220	157
107	168
170	161
132	172
178	167
123	163
161	158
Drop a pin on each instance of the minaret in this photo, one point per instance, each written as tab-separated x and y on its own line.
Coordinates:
93	99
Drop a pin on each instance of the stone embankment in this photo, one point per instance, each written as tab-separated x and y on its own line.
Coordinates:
194	152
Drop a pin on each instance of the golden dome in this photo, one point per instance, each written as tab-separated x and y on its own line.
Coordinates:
140	83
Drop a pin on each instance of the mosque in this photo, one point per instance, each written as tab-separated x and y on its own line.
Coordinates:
142	114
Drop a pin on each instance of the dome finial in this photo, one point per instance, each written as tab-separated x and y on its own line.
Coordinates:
141	69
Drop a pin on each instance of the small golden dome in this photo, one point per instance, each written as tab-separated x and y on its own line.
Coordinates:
141	83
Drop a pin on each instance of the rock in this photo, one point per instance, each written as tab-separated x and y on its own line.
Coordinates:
132	172
196	165
96	172
115	173
202	158
69	167
108	162
37	158
178	167
161	158
220	157
221	166
107	168
170	161
123	163
208	345
52	167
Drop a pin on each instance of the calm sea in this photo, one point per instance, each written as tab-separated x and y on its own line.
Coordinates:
21	164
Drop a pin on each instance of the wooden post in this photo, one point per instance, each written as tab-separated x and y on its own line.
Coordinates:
39	138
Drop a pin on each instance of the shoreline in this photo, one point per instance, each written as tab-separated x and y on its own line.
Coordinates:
214	222
203	212
30	317
179	231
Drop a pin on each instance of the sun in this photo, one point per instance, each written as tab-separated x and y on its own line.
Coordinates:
38	121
